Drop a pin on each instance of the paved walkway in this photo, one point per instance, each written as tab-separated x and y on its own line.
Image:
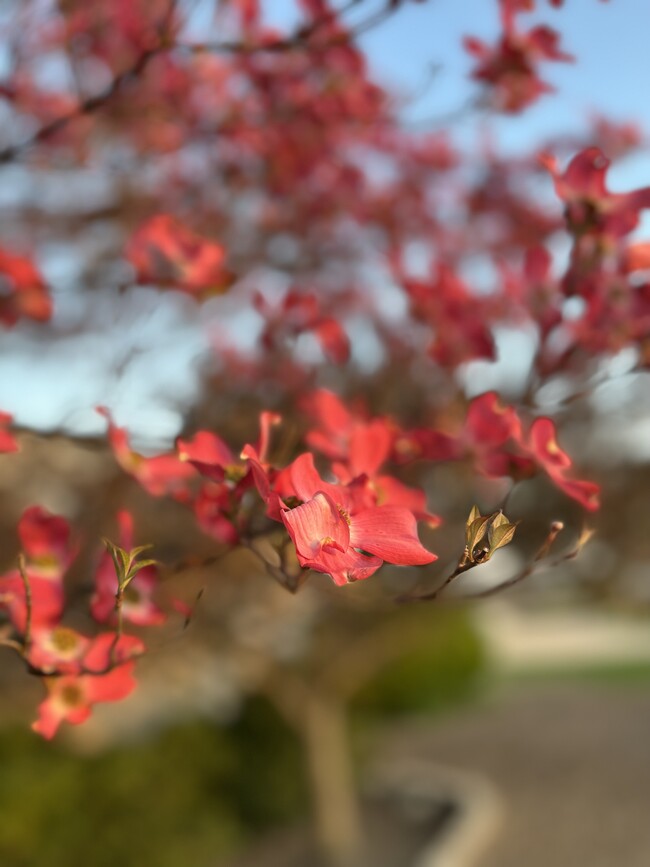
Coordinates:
570	764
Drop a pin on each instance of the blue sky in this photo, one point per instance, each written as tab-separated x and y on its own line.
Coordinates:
609	39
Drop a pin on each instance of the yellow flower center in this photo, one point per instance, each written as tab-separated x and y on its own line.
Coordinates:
64	640
71	695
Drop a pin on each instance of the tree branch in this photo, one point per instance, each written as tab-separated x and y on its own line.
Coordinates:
297	41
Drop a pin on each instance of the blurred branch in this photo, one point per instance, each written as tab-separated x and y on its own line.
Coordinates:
86	107
532	567
27	638
166	43
288	43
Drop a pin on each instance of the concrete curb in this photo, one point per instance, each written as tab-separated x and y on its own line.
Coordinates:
466	835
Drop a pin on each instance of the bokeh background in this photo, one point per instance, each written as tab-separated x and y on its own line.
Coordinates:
505	733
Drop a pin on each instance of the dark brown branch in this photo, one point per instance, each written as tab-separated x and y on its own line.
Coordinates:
86	106
463	566
532	567
295	41
299	40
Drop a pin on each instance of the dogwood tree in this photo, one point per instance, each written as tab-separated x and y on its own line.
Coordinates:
345	271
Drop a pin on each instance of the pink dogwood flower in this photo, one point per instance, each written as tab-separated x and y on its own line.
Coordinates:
159	475
509	69
72	696
49	551
543	445
338	529
57	650
8	442
591	209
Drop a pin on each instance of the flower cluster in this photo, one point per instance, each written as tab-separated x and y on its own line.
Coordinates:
269	167
509	69
345	520
78	670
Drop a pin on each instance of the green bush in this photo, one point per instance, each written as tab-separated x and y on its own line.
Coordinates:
197	793
183	798
439	667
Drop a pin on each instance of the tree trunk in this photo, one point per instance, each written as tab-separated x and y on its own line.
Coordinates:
336	808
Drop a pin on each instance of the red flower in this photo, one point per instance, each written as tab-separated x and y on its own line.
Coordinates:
8	443
356	446
338	529
510	67
58	649
45	540
457	316
590	208
491	434
214	459
494	433
165	252
208	453
213	507
321	535
47	599
71	697
489	423
543	445
219	498
299	313
23	292
637	257
360	447
392	492
159	475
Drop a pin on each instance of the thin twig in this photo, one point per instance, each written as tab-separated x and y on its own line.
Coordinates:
119	628
22	568
299	40
532	567
86	106
13	645
189	617
286	580
296	40
463	566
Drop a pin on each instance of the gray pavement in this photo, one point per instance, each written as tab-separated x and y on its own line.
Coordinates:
570	763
